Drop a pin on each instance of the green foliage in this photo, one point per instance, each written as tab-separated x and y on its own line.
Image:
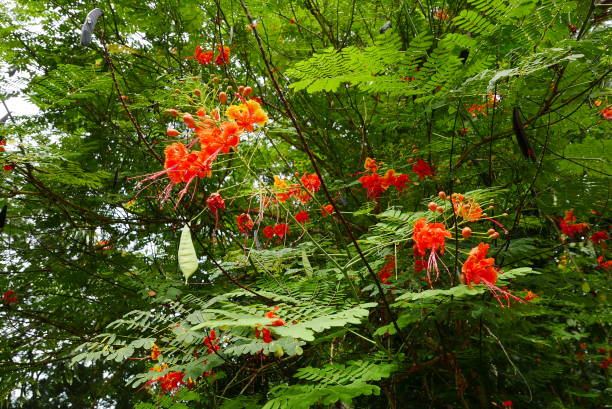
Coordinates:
341	310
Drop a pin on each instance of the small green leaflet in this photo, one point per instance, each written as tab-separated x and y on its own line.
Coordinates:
187	258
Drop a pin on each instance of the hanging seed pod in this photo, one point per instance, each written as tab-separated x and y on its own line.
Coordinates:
521	136
187	257
89	25
3	217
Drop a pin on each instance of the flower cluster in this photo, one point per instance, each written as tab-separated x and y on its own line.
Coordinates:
245	223
283	191
184	165
376	184
387	271
206	57
466	208
568	224
211	342
279	230
422	169
9	298
169	382
429	236
479	269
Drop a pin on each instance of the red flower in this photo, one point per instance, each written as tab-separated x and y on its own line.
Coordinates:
422	169
170	381
203	58
531	295
464	131
245	223
373	183
9	167
568	225
281	230
507	404
603	264
606	113
583	345
387	271
302	217
267	335
268	231
224	55
211	342
9	298
215	202
478	269
311	182
2	144
599	237
272	315
326	210
391	178
429	236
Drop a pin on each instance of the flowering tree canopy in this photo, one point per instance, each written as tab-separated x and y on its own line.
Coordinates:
249	204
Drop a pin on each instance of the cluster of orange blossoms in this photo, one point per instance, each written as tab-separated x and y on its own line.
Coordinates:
466	208
279	230
206	57
478	269
183	165
376	184
284	192
568	224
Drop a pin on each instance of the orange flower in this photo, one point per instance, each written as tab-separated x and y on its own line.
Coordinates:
245	223
470	211
184	166
606	113
326	210
203	58
370	164
224	55
477	269
531	295
214	139
155	352
283	191
247	114
429	236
